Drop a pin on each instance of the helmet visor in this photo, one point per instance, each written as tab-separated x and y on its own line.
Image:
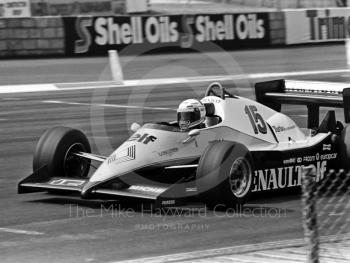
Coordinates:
186	119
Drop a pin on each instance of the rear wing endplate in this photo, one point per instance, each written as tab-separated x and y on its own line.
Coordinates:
313	94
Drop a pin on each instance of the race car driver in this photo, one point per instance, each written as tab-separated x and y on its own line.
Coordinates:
191	115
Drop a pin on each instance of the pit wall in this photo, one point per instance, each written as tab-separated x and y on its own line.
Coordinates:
95	35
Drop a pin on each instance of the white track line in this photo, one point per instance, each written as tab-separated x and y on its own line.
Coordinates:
206	255
19	231
27	88
105	105
152	82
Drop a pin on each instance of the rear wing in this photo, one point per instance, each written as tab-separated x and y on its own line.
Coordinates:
310	93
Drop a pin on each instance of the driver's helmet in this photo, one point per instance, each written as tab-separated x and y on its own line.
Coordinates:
190	114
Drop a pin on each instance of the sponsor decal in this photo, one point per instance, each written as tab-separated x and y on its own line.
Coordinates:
102	33
285	177
327	147
122	156
278	129
169	152
212	100
289	161
144	138
330	156
67	182
317	157
141	188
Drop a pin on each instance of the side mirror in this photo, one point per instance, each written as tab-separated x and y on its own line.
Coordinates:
135	127
192	134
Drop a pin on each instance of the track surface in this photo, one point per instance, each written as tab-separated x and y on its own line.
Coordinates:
64	230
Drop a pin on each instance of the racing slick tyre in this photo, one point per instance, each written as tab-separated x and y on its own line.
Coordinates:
55	150
225	175
344	148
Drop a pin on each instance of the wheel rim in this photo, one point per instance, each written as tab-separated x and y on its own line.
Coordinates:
74	166
240	177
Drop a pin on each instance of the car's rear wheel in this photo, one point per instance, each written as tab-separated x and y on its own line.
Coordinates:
56	149
225	175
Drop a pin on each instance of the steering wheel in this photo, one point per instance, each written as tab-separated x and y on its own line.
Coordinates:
211	91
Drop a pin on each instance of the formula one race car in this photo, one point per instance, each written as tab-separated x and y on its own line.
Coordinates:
247	146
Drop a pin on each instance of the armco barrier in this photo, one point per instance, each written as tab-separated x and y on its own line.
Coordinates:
31	36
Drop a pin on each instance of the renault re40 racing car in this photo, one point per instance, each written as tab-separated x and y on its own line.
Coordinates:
246	146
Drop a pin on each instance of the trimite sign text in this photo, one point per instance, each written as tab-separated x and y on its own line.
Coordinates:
96	35
318	25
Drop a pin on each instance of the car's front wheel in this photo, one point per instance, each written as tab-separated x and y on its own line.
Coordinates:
56	149
225	175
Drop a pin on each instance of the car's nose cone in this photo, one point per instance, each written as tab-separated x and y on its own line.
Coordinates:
88	188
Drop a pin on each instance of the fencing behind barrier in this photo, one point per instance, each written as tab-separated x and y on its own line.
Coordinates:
326	216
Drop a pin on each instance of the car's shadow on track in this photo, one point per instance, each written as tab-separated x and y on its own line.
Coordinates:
269	204
277	196
93	204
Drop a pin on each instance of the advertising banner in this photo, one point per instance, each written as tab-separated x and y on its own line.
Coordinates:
14	8
317	25
96	35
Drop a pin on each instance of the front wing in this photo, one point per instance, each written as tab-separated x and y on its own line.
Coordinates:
160	195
